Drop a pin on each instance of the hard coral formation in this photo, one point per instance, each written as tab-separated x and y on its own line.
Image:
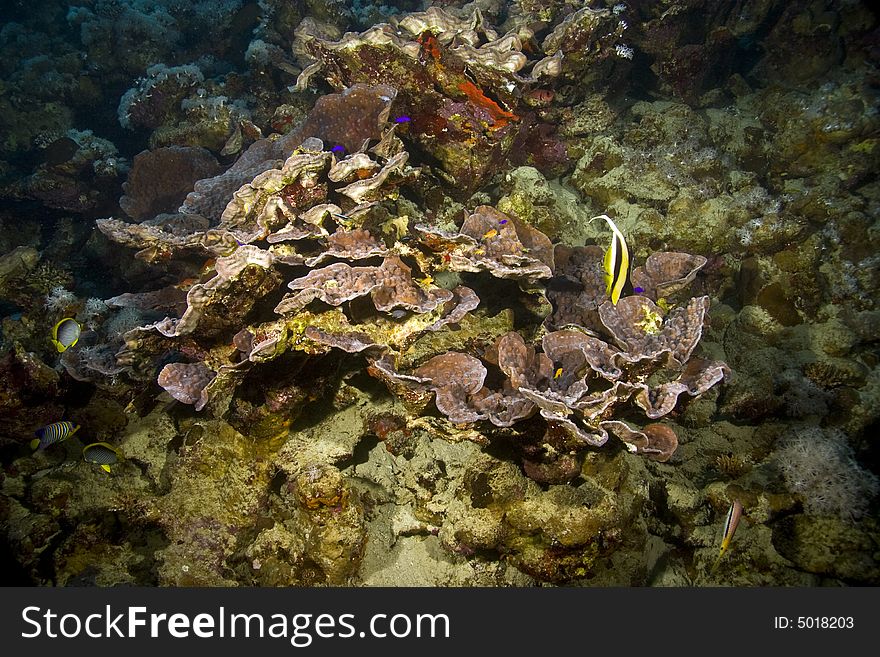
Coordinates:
581	377
308	205
458	85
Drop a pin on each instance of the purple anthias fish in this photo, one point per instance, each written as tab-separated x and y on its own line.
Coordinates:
338	149
638	290
402	119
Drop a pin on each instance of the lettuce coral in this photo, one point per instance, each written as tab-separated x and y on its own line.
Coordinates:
314	218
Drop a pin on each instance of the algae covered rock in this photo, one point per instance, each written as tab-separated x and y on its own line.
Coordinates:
829	546
217	488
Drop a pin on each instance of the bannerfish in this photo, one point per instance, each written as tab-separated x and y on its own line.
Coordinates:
103	454
53	433
65	334
616	263
730	524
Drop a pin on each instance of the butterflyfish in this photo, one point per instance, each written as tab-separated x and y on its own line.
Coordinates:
53	433
65	334
616	262
733	516
103	454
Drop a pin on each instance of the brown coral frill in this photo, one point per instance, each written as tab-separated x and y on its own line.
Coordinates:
186	382
666	273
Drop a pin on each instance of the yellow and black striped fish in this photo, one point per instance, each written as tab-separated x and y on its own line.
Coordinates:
616	263
53	433
103	454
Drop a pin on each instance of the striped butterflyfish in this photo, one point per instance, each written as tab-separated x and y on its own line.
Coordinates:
53	433
103	454
65	334
616	262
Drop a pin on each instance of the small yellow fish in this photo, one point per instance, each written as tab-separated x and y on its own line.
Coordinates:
616	262
730	524
65	334
558	373
426	281
489	234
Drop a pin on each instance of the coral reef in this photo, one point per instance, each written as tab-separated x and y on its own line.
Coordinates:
326	203
459	86
364	337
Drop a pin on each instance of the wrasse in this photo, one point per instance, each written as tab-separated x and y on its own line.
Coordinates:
616	262
733	516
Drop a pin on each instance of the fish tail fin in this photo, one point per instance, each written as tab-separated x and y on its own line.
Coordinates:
718	560
75	429
35	443
106	468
